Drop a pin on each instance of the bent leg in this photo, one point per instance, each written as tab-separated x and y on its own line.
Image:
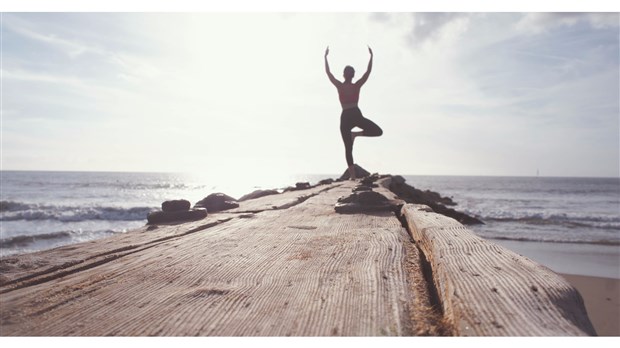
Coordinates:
370	129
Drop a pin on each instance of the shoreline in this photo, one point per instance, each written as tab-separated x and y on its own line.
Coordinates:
601	297
594	270
592	260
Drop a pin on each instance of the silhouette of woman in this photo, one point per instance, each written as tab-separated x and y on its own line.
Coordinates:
349	94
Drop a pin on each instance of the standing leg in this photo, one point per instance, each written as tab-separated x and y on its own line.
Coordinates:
345	132
347	122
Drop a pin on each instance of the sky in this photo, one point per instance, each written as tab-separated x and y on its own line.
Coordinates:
455	93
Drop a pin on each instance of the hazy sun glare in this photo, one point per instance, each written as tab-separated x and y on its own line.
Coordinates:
455	93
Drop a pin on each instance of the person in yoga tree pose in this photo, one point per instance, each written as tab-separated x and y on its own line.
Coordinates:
351	116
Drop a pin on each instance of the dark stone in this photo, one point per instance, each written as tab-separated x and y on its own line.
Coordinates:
364	198
258	194
359	173
434	196
369	180
158	217
359	188
431	199
176	205
366	201
302	185
355	208
288	189
326	181
217	202
348	199
370	197
398	180
298	186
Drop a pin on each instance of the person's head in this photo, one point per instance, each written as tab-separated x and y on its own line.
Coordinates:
348	73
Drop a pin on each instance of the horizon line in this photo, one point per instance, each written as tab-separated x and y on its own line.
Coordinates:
314	174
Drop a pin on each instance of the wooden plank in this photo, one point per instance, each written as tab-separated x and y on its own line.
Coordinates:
283	200
16	270
488	290
39	265
301	271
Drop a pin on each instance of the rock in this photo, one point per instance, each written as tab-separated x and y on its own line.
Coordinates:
175	205
366	201
370	197
302	186
434	196
363	197
431	199
456	215
359	188
359	173
288	189
369	180
258	194
159	216
298	186
217	202
326	181
398	180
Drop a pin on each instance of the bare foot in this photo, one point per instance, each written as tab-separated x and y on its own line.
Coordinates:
355	134
352	173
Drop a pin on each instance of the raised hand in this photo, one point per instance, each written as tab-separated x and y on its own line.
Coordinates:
326	51
370	50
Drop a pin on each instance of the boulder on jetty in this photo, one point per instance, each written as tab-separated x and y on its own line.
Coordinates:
217	202
176	205
363	199
159	216
432	199
371	178
363	187
302	185
326	181
298	186
258	194
366	201
359	173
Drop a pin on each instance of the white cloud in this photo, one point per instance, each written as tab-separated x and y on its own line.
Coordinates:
434	25
540	22
70	47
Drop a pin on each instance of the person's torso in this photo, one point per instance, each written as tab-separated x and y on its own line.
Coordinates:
349	94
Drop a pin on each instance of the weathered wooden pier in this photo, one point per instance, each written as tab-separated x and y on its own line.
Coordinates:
289	265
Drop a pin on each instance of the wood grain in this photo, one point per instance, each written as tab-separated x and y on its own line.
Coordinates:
489	290
301	271
283	265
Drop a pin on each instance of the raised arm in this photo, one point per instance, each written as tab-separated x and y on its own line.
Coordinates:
329	73
363	79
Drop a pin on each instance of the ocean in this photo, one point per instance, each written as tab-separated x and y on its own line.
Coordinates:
42	210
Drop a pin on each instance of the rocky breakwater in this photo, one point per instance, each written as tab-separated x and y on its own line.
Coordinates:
174	211
179	210
217	202
364	199
429	198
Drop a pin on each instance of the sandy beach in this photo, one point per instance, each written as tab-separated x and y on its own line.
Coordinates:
601	297
593	269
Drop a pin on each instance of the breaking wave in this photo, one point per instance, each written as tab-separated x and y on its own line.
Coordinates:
12	211
49	238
